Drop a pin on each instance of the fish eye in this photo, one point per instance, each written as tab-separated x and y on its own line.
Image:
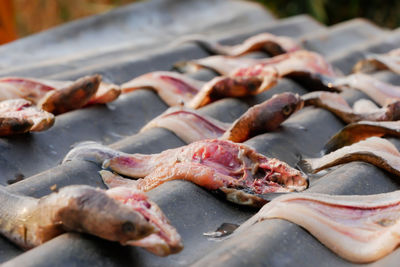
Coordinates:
128	227
287	110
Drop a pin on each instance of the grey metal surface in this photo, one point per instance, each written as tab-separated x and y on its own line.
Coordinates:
191	209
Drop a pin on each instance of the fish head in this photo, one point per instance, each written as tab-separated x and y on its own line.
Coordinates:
166	239
90	151
394	110
287	104
90	210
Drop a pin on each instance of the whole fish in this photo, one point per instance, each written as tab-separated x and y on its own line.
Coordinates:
234	169
360	229
374	150
362	130
190	125
19	116
121	214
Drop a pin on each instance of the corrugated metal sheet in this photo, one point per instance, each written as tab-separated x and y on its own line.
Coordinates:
192	210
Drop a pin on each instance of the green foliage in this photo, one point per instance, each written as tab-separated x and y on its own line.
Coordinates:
382	12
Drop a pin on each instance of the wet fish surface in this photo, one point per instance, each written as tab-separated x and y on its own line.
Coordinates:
360	229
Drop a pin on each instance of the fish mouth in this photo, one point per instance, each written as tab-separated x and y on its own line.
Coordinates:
165	240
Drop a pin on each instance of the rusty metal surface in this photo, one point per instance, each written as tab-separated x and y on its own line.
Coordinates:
191	209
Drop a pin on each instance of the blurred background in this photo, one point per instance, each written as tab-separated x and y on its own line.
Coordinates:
19	18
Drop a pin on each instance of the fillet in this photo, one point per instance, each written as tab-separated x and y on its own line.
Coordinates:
381	92
374	150
359	229
362	130
372	62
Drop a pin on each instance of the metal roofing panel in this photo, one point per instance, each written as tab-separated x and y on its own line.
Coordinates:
191	209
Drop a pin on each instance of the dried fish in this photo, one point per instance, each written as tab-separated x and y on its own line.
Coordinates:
191	126
29	222
165	240
264	117
298	63
106	93
19	116
373	62
336	104
121	214
381	92
272	44
362	130
188	124
235	169
52	96
177	89
360	229
222	65
173	88
374	150
59	96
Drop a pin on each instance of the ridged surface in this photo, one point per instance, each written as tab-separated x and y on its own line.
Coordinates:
191	209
